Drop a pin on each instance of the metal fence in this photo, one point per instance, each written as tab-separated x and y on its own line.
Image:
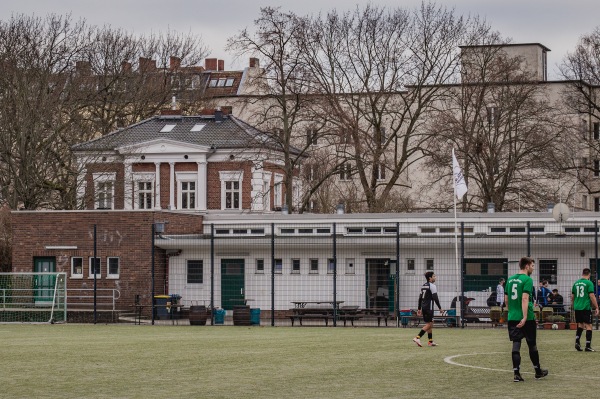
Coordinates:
375	268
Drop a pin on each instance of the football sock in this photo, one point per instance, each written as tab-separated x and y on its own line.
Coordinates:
516	355
430	336
421	333
578	334
588	338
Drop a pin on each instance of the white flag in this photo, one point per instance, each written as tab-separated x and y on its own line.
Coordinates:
460	187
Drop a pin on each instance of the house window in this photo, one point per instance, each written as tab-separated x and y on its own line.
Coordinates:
429	265
188	194
231	193
145	195
295	266
382	135
266	196
380	171
260	266
346	171
548	270
596	204
584	202
95	267
213	83
596	168
493	116
112	264
349	265
330	266
314	266
195	272
221	82
410	265
104	190
277	194
229	82
596	131
278	266
346	136
311	137
76	267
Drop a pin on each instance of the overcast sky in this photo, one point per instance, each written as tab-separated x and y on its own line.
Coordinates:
557	24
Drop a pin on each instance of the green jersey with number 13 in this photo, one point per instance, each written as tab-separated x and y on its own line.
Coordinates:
582	290
516	286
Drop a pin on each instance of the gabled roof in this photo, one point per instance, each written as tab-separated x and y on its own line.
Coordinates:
230	132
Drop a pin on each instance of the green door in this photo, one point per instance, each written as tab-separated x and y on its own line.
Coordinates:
43	285
232	283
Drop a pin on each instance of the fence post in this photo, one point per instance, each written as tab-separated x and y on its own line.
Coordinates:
596	264
151	274
272	274
212	274
94	269
397	304
528	239
463	308
334	276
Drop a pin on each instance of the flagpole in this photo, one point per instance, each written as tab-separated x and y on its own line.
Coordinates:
458	307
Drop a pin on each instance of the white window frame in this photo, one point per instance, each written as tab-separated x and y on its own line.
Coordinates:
108	273
102	179
231	176
90	274
186	177
330	266
278	266
429	264
259	270
314	261
143	178
299	263
73	274
278	190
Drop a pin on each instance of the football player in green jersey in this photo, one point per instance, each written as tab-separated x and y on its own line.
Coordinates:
518	297
584	301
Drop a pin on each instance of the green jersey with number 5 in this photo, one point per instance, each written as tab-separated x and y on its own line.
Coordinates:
582	290
516	286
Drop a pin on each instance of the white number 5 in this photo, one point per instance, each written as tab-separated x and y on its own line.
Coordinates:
514	293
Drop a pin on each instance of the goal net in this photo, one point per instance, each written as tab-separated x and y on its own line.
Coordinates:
33	297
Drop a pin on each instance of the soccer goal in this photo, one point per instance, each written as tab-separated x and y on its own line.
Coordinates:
33	297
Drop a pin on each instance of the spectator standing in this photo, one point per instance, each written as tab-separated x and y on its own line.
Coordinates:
500	293
584	302
521	319
543	294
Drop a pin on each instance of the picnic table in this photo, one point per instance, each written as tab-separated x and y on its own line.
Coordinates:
303	310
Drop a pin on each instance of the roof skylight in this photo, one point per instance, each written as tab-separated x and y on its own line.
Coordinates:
197	127
167	128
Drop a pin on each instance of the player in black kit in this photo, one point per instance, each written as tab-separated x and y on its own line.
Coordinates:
427	298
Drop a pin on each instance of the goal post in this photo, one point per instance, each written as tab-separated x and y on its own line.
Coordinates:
34	297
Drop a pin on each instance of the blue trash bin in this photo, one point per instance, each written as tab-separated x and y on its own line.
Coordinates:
220	316
451	321
255	317
404	320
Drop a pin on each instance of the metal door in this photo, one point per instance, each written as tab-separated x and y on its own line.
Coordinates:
43	284
232	283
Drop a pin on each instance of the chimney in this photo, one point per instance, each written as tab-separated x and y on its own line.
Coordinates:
221	65
491	207
174	63
126	66
218	115
254	63
210	64
83	68
147	65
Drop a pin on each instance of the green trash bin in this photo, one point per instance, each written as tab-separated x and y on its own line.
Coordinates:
255	317
220	316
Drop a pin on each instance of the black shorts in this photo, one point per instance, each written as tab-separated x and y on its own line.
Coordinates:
427	315
583	316
528	331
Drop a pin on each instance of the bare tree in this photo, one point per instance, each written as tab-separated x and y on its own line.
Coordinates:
504	129
62	83
379	72
281	103
581	69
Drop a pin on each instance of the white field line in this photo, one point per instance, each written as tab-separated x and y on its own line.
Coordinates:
450	360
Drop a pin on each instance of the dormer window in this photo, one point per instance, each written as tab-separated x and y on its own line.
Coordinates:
167	128
213	83
229	82
197	127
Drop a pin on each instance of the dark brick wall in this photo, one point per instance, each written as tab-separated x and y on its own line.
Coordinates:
123	234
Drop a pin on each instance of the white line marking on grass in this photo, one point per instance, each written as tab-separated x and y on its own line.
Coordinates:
450	360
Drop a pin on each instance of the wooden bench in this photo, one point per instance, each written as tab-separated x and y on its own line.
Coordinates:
349	313
311	313
378	313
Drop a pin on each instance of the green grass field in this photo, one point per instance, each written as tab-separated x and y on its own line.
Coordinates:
126	361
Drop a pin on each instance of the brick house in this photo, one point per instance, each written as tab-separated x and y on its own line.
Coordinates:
169	168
